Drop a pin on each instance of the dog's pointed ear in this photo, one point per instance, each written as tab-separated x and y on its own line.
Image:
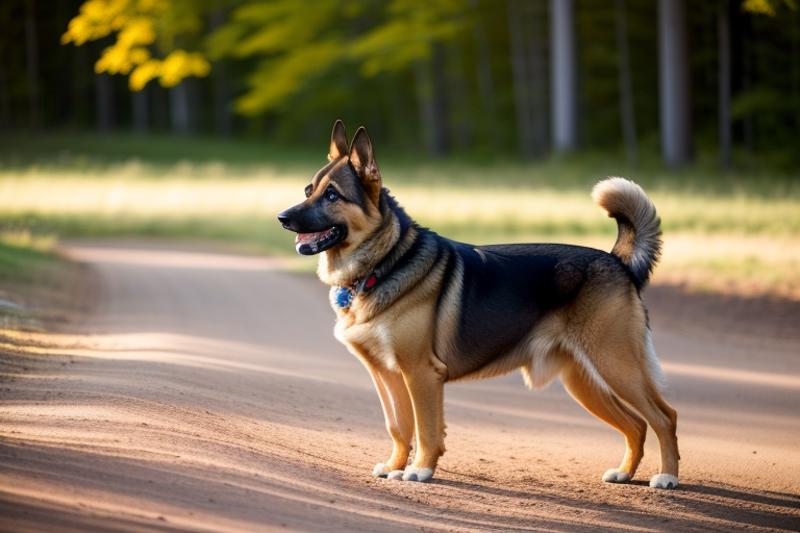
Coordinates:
338	146
362	157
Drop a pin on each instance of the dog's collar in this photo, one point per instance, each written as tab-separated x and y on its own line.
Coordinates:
344	295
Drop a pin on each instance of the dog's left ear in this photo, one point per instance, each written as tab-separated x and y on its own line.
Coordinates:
338	146
362	157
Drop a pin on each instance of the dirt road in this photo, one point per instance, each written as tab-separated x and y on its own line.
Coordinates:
206	392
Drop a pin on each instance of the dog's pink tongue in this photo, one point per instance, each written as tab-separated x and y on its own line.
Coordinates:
303	238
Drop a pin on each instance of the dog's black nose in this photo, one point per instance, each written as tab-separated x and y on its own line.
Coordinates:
284	218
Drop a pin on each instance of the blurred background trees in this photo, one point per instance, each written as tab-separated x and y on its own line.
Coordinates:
530	77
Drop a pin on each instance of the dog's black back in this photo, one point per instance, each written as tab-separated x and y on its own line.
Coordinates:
503	291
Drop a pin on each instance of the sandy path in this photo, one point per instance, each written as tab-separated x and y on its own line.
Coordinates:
206	392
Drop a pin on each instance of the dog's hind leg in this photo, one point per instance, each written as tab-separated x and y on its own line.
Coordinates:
642	395
425	383
604	405
632	381
399	415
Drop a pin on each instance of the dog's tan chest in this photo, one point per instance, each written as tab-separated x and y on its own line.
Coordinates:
371	341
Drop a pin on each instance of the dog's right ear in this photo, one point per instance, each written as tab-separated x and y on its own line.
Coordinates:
338	147
362	157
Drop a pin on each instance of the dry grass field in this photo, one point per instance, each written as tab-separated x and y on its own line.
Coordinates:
738	232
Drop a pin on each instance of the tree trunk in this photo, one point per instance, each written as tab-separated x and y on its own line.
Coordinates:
179	109
537	77
485	78
104	99
82	79
626	103
519	73
5	106
223	116
140	105
58	69
32	64
724	41
463	136
674	93
396	110
564	75
422	82
748	75
796	68
159	101
432	105
440	107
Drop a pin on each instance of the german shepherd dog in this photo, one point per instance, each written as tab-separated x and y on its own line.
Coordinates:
420	310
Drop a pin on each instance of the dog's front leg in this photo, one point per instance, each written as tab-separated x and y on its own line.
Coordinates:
399	417
425	383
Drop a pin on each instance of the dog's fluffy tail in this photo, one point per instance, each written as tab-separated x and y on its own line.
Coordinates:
639	241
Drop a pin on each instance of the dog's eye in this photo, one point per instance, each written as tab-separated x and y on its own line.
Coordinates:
308	190
331	195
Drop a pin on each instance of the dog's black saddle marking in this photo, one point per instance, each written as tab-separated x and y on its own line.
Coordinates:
507	289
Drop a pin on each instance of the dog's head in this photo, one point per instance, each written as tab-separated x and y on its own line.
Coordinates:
342	201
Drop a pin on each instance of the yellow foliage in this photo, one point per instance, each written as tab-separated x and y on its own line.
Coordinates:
171	71
97	18
181	64
767	7
142	74
137	30
148	6
114	60
139	55
762	7
137	25
275	80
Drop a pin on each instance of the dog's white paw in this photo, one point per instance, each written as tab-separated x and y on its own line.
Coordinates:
613	475
413	473
663	481
395	474
380	470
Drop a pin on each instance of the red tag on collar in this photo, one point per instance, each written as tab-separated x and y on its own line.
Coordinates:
371	281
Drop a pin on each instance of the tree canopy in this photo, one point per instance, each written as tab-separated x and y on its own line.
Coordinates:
468	75
142	30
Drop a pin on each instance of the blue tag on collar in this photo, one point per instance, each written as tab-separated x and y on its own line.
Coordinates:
344	296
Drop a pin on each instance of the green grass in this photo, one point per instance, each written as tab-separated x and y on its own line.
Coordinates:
25	259
717	225
161	156
36	284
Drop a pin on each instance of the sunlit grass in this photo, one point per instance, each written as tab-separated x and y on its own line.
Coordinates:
721	232
24	256
27	240
131	199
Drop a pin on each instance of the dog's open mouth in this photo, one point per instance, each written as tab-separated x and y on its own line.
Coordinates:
314	243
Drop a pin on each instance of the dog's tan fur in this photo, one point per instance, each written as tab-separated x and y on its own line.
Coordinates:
597	344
